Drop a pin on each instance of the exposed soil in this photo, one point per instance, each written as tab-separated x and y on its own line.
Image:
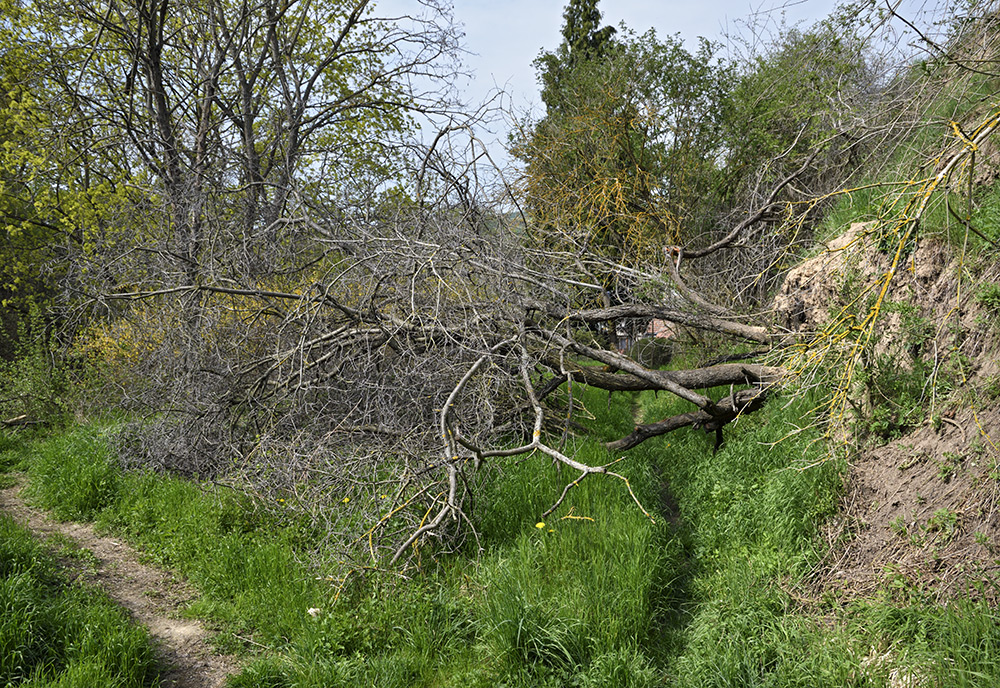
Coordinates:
921	515
153	597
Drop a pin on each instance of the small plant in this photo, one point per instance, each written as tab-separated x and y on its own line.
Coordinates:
981	539
895	396
988	296
53	633
898	526
948	465
977	450
991	386
944	521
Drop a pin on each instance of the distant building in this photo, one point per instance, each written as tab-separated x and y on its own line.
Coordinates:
655	329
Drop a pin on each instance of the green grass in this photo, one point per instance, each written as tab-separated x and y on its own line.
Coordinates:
754	510
53	633
599	595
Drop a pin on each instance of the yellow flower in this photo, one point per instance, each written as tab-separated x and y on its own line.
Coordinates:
345	500
540	525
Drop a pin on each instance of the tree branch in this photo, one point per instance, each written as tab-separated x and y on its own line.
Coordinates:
728	410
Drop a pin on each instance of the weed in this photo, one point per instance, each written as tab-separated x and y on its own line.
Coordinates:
618	600
67	548
977	448
74	475
35	383
52	633
991	387
943	522
895	396
948	465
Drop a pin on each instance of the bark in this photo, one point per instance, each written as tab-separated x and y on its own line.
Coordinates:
697	378
632	310
729	409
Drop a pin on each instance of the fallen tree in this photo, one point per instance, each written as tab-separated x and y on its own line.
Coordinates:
385	333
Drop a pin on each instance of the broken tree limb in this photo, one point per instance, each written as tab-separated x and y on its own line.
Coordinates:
739	330
728	410
697	378
654	377
20	421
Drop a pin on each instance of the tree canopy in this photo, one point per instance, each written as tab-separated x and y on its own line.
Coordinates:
626	153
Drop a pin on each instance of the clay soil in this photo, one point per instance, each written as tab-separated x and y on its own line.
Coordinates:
920	514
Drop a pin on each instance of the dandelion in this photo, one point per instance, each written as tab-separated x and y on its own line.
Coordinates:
540	525
345	500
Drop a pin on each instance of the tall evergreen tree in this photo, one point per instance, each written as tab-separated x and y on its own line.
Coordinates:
626	151
583	40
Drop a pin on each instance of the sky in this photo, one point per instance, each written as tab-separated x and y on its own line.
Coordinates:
505	36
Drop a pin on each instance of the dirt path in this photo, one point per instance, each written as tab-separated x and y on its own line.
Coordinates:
153	597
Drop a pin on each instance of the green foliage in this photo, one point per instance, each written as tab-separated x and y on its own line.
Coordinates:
943	521
74	475
986	218
625	155
857	205
782	101
56	634
617	600
893	383
583	40
895	396
573	588
603	586
988	296
35	382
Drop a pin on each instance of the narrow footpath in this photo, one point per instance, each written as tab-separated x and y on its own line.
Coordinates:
153	597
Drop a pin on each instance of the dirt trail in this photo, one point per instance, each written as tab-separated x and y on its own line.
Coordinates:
153	597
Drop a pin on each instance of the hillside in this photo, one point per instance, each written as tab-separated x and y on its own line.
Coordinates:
919	505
